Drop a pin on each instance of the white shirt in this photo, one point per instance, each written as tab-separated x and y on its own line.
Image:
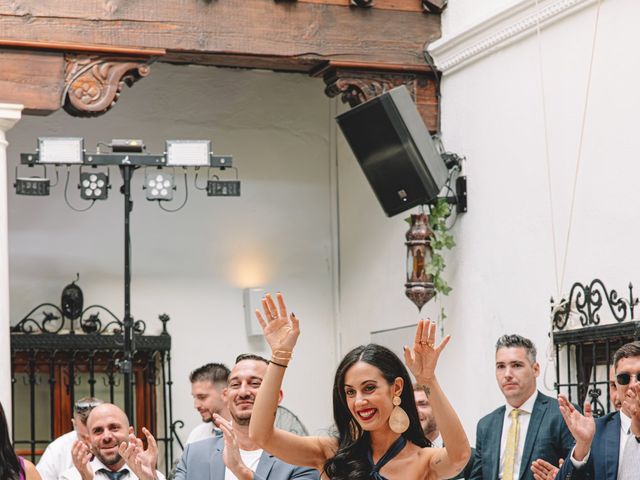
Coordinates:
525	416
74	474
437	442
625	433
57	457
250	458
201	432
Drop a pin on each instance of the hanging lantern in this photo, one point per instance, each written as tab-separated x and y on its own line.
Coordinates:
419	286
72	300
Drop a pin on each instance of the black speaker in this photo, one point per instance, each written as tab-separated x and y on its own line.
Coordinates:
394	148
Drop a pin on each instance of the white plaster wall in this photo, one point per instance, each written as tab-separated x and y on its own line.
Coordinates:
502	270
461	14
193	264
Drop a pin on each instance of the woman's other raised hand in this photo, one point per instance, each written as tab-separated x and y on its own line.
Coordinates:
280	330
423	357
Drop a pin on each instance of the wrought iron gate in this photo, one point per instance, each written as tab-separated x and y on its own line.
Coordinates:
584	343
56	360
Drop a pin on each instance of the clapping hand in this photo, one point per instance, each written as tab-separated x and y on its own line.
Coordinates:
141	462
280	331
543	470
422	359
582	427
231	452
631	406
81	457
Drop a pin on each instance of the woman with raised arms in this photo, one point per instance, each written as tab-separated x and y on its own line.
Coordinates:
379	435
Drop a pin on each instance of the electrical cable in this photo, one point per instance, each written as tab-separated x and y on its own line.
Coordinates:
561	275
186	197
66	197
195	180
436	76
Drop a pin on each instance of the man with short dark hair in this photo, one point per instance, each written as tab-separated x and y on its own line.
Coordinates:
207	386
609	447
234	455
528	427
57	456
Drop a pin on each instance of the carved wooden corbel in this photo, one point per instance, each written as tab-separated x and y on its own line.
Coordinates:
358	83
93	83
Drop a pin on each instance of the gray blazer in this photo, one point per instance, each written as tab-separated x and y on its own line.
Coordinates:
203	461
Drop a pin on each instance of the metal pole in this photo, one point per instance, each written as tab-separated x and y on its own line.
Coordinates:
127	363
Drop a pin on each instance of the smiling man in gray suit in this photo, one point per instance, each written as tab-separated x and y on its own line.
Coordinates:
528	427
233	455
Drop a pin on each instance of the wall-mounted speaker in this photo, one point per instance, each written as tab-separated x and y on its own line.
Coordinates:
394	148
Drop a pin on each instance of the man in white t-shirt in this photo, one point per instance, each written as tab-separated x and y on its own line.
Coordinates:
234	456
207	386
57	456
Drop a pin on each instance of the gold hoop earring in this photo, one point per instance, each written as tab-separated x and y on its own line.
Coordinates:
399	420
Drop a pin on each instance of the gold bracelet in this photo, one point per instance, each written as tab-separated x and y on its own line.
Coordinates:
278	364
285	353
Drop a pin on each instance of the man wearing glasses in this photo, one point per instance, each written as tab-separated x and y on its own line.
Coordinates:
57	456
608	448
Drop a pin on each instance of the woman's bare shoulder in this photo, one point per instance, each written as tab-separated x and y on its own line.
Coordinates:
30	471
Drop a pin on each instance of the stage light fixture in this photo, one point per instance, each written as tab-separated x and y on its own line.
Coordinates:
33	186
188	153
94	185
223	188
61	150
159	185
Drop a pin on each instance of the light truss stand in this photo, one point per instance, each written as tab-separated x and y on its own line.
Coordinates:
128	162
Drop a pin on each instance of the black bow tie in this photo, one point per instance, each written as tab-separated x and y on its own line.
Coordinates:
114	475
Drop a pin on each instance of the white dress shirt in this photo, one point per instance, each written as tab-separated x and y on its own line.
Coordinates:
437	442
525	416
74	474
201	432
250	458
57	457
625	433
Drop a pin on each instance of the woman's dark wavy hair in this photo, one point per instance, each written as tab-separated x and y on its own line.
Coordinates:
10	468
350	461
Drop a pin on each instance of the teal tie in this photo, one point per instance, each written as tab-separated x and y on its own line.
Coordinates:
114	475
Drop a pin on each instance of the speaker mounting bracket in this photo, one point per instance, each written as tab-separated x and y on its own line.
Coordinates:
460	197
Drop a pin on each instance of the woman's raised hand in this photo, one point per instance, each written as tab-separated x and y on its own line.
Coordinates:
281	331
423	358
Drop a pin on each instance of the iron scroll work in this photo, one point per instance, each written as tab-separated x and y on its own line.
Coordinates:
583	352
63	354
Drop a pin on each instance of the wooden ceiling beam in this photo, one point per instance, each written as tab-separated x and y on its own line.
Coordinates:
306	31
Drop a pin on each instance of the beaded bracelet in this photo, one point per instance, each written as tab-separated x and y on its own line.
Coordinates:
278	364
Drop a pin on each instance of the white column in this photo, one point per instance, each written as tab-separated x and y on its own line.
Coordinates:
9	115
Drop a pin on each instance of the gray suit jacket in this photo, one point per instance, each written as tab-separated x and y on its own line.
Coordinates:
547	437
203	461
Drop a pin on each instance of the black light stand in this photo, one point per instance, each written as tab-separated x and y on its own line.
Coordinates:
129	347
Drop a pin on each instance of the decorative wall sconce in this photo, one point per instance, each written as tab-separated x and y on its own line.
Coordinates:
419	286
